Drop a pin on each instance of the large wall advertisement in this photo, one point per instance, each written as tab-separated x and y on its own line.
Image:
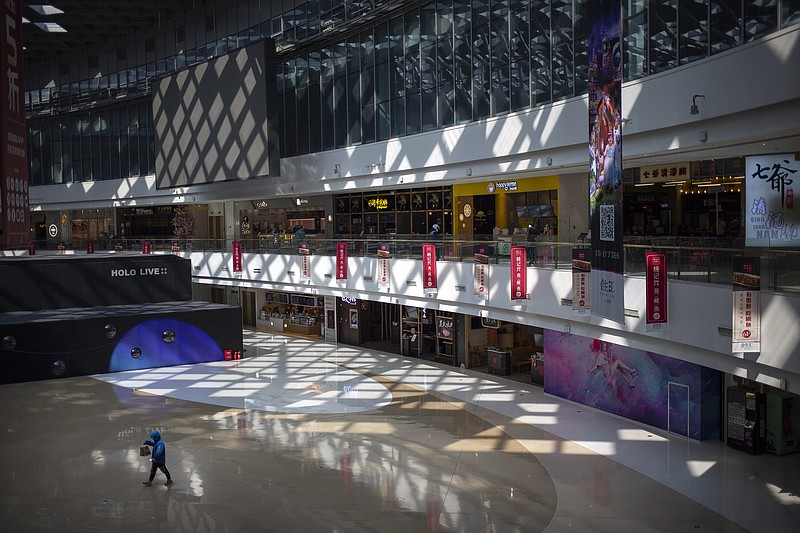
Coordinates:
657	390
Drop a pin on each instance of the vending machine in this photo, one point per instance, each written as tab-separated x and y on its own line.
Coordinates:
746	427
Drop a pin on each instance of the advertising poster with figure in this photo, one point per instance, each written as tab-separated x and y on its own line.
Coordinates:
633	383
771	218
605	158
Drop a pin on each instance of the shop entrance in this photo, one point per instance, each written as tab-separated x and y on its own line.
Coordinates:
249	308
381	329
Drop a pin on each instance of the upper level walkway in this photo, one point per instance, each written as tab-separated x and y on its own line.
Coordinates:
693	259
312	436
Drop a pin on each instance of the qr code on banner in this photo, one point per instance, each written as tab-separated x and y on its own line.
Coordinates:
606	222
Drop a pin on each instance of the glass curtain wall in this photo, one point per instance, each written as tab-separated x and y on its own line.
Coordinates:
418	68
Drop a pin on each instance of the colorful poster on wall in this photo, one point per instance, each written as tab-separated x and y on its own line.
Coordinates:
605	159
429	278
581	280
236	248
13	132
771	218
480	276
657	390
519	274
341	261
656	291
384	272
746	304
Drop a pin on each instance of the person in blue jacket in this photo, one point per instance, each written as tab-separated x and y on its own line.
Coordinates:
159	458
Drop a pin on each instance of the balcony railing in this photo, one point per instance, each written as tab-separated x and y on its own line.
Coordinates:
687	259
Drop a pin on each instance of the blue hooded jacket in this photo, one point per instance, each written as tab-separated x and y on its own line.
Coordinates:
159	450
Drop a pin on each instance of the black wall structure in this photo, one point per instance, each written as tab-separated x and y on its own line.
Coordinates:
55	282
71	316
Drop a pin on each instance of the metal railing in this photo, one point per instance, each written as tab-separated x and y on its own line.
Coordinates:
687	259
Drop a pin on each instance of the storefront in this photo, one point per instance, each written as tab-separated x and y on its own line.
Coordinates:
506	349
296	314
400	212
282	216
74	227
686	199
367	323
503	208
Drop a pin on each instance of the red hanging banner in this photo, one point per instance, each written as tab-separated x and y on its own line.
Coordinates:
656	283
341	261
429	279
145	247
237	256
519	274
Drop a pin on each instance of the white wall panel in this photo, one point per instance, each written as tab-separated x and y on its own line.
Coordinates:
696	311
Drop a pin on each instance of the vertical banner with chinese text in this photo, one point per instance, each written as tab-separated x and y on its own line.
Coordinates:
519	274
746	304
605	159
384	270
145	247
305	267
429	279
656	291
480	275
341	261
236	251
581	281
13	154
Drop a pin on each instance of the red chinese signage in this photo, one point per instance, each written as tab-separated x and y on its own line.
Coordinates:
519	274
13	155
429	279
341	261
145	247
656	290
237	256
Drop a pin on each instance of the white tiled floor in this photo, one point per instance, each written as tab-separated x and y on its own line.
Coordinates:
308	436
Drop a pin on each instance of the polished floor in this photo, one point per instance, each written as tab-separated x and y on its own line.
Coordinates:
306	436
